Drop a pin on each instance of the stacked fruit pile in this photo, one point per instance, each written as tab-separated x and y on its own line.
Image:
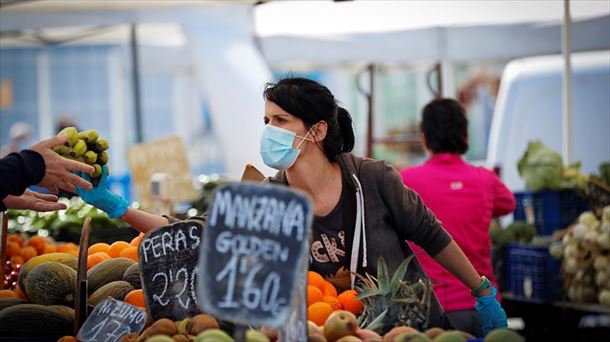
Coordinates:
119	249
342	326
323	300
46	285
585	248
42	297
20	250
85	147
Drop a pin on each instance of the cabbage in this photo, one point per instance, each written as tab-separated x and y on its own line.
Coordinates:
540	167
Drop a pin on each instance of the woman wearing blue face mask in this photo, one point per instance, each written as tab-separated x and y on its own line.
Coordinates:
362	209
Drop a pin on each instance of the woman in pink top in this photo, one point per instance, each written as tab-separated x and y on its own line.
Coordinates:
464	198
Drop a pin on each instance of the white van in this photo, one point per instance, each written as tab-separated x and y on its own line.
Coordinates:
529	107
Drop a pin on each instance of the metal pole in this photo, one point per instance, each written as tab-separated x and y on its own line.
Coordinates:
439	80
370	97
566	48
135	74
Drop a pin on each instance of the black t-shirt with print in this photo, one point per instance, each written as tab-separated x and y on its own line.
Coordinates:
327	252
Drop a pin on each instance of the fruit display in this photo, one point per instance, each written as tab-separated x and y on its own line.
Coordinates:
323	300
86	147
585	248
20	250
342	326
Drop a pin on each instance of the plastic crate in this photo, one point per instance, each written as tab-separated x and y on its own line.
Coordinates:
549	210
532	273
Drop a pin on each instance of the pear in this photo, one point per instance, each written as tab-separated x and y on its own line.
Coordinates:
102	158
90	157
101	145
339	324
79	148
98	171
89	136
72	135
182	326
62	150
216	335
256	336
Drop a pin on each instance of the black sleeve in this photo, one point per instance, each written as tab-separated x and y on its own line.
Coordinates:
18	171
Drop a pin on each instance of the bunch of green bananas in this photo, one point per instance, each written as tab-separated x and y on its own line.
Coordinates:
86	147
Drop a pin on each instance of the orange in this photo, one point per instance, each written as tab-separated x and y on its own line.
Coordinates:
135	298
315	279
49	248
73	252
98	247
28	253
313	295
136	240
38	242
17	260
350	303
116	248
16	238
13	248
130	252
20	293
96	258
8	294
67	339
66	247
329	289
319	312
334	302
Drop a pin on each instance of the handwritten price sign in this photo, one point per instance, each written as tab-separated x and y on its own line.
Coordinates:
168	259
110	320
253	249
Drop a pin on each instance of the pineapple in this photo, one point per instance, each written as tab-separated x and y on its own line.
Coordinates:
391	301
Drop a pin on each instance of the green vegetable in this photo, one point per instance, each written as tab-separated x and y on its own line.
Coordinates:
541	167
520	231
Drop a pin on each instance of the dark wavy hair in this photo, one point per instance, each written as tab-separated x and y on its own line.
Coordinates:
445	125
312	102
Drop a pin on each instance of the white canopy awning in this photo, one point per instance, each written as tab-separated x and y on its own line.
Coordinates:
406	31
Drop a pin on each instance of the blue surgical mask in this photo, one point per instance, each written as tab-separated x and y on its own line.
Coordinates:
276	147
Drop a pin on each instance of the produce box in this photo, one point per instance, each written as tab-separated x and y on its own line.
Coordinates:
532	273
549	210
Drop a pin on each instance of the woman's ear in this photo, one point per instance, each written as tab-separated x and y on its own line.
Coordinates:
319	130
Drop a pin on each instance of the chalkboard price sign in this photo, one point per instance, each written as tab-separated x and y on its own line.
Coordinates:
110	320
253	247
296	327
168	259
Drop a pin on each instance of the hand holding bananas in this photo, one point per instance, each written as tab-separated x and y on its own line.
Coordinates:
84	147
491	314
58	169
102	198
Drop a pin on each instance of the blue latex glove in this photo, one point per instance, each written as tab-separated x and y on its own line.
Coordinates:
102	198
491	314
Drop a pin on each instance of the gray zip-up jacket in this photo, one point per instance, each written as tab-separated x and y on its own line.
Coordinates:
385	213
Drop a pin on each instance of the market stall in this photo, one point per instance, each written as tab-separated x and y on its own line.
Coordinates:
241	273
